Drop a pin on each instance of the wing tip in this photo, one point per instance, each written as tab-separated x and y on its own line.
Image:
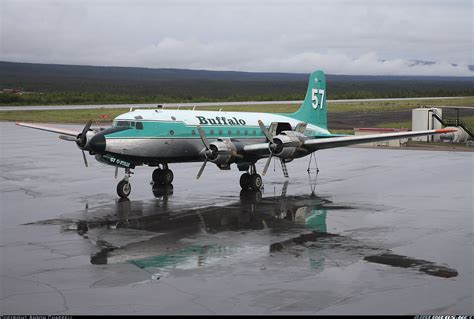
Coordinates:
445	130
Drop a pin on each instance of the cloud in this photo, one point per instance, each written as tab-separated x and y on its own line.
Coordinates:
340	37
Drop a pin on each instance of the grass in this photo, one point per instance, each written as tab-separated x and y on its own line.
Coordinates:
468	121
106	115
396	105
406	124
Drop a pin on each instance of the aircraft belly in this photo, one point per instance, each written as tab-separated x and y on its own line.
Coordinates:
155	148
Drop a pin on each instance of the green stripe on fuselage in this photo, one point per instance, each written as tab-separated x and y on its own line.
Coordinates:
175	129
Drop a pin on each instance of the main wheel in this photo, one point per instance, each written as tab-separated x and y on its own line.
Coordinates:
124	188
157	176
168	176
244	180
255	182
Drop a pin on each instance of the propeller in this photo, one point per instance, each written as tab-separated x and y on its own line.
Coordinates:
208	151
80	139
273	147
68	138
211	151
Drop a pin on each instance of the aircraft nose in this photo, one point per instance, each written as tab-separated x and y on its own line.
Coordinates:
97	143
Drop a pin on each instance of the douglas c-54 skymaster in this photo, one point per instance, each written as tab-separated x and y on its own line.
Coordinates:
159	137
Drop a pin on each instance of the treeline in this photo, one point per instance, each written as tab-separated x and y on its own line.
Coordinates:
62	84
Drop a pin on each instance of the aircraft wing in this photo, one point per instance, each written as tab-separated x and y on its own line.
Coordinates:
51	129
332	142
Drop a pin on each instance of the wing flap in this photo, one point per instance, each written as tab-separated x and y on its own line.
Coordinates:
50	129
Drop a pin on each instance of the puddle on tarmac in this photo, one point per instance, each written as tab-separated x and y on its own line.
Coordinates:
160	237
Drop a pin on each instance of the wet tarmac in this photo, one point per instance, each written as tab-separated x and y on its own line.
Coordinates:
375	232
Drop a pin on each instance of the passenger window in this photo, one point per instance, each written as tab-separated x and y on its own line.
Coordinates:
193	132
238	132
212	132
254	132
171	132
220	132
132	124
246	132
229	132
139	126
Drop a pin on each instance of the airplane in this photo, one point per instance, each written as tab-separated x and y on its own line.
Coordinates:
159	137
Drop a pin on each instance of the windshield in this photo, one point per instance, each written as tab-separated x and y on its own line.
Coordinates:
120	123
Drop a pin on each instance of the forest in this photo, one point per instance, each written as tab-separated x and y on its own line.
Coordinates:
50	84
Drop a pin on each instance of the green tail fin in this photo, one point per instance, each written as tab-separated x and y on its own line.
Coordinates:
313	109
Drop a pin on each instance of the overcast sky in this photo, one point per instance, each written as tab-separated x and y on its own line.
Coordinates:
339	37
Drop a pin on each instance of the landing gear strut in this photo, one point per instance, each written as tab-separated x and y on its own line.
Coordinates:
251	180
162	176
124	188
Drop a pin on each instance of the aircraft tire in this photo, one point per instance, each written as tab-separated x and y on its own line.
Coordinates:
124	188
167	177
157	176
255	182
244	181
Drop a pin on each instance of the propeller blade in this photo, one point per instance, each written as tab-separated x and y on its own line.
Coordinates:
266	165
68	138
265	131
283	168
201	169
82	138
86	128
203	137
85	159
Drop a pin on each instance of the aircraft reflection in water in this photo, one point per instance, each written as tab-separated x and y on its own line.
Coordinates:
153	236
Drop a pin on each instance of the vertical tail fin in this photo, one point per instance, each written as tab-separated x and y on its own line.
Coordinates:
313	109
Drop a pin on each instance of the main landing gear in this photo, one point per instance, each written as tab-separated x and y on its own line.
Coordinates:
251	180
162	176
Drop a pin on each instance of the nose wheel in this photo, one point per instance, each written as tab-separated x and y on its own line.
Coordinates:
124	188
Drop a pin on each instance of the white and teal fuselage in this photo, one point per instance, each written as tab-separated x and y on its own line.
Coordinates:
173	134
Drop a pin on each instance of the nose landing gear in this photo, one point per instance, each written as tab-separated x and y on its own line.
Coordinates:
251	180
124	188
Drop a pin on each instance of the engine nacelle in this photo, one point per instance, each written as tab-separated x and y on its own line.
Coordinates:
224	153
288	145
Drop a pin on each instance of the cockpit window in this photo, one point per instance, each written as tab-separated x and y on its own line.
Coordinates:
139	126
122	123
